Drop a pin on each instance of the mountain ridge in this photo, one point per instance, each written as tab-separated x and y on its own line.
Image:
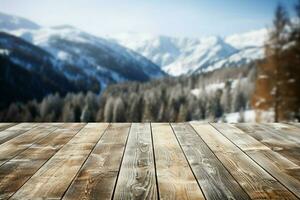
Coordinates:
108	62
192	54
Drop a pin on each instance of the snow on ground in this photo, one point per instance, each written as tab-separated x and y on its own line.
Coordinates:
248	115
4	52
215	86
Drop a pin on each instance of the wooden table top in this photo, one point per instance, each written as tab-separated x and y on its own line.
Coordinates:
149	161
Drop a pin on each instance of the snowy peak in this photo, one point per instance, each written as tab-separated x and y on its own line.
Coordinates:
248	40
105	60
9	23
178	56
82	57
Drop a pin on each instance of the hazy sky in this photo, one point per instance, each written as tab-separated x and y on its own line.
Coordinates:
168	17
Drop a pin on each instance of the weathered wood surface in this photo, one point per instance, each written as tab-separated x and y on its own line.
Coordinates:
53	179
18	170
175	178
149	161
8	132
275	164
137	174
255	180
97	177
4	126
215	180
287	148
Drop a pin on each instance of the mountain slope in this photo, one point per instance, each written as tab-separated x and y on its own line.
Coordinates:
81	56
179	56
29	72
107	61
9	23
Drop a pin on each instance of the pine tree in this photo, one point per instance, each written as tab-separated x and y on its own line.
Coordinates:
108	110
226	97
119	111
270	74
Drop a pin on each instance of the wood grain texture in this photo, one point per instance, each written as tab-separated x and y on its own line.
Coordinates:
290	132
175	178
294	124
18	170
14	131
137	174
254	180
53	178
97	178
22	142
289	149
214	179
4	126
278	166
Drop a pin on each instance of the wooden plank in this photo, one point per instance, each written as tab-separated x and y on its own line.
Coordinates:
214	179
96	179
285	130
297	124
53	179
278	166
18	170
4	126
254	180
174	176
22	142
137	175
289	149
15	131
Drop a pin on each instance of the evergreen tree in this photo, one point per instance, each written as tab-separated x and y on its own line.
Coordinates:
119	111
269	92
108	110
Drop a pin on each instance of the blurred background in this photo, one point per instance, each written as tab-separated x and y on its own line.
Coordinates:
159	61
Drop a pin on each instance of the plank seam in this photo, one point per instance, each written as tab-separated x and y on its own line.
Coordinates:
34	142
188	162
104	132
46	161
120	165
279	133
8	126
255	162
16	136
154	162
219	160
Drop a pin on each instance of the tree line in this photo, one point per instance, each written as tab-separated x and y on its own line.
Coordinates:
169	99
278	77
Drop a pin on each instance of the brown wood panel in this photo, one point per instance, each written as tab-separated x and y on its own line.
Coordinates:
53	178
174	176
254	180
137	175
4	126
283	146
15	131
18	170
214	179
96	179
278	166
18	144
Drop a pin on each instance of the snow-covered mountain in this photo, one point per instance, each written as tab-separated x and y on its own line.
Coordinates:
110	60
179	56
29	72
9	23
85	55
